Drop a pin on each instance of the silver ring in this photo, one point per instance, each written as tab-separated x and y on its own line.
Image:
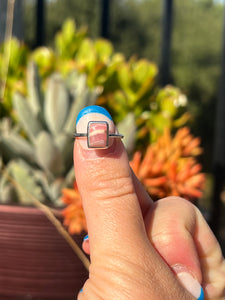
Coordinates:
91	133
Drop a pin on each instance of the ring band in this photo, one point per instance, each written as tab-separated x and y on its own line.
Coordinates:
103	133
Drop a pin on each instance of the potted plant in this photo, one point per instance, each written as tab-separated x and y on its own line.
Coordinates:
38	263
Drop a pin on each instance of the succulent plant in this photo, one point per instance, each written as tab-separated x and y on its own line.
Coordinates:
74	217
40	147
169	166
13	60
42	137
7	191
126	86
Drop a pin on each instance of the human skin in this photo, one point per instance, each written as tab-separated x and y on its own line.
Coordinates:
139	248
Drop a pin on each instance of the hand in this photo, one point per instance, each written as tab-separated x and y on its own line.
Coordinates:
140	249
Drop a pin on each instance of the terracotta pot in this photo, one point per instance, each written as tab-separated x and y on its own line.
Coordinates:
35	260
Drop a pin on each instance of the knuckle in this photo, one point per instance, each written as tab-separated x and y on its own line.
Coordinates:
112	187
163	238
105	184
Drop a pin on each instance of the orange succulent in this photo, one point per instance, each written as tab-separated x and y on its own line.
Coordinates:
73	214
169	166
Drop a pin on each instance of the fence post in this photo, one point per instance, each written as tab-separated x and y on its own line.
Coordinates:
40	22
14	9
165	76
105	18
219	147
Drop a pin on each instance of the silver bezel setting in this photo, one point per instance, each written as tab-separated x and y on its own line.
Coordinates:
109	135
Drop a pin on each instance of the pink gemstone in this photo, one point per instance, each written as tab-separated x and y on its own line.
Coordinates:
98	134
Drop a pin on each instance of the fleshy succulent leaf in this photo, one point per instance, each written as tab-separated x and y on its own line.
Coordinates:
82	96
13	145
64	143
127	127
48	155
34	89
104	50
26	116
26	186
56	104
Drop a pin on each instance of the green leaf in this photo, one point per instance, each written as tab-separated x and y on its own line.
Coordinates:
48	155
64	143
127	127
17	58
45	59
86	56
168	107
68	30
26	116
104	50
124	76
159	122
56	104
143	70
25	183
34	89
64	39
15	146
82	97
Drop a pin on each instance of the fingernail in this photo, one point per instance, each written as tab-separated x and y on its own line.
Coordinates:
86	238
97	122
191	284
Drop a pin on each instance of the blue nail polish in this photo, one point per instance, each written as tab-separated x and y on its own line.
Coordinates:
93	109
86	238
201	297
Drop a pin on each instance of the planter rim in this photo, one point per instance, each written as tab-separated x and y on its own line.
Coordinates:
22	209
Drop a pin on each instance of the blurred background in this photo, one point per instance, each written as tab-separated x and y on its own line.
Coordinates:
184	38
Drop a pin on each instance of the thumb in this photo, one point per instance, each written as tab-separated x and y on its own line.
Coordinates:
105	183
